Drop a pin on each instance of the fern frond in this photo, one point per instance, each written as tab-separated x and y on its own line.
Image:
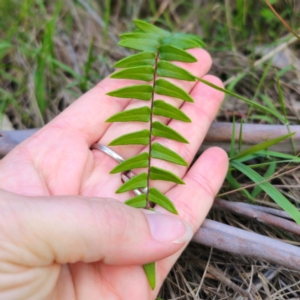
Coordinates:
159	48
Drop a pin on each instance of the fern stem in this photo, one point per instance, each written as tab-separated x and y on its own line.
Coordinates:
150	135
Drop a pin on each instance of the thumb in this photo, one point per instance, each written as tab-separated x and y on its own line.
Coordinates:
68	229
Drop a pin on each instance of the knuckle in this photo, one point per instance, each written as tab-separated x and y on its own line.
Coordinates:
202	183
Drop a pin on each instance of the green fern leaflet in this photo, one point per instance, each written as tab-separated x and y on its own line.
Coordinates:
158	49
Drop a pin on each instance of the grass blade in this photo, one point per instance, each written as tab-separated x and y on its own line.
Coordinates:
232	142
270	171
281	200
254	104
261	146
235	185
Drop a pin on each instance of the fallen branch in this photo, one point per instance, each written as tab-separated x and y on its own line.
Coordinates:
246	243
269	210
219	135
10	139
252	212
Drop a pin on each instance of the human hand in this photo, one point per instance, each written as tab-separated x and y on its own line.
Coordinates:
62	234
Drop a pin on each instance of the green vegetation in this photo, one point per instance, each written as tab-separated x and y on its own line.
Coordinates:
51	52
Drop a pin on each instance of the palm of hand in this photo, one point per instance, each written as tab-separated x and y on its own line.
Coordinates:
58	161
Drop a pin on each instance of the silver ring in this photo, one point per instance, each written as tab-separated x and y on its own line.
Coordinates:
109	152
124	176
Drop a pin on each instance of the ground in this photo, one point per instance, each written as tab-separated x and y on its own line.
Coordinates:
51	52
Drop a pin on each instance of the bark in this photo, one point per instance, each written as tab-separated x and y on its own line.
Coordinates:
10	139
220	134
246	243
252	211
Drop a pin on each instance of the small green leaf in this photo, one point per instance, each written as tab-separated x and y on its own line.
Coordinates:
167	69
168	52
149	28
164	87
138	181
161	108
140	59
161	174
137	202
140	44
161	152
140	35
133	138
140	91
141	114
144	73
159	198
191	36
151	274
182	42
159	129
135	162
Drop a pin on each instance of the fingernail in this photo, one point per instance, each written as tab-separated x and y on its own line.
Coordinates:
168	229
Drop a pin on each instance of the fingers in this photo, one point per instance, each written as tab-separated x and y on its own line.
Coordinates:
203	182
207	103
202	112
88	114
44	230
